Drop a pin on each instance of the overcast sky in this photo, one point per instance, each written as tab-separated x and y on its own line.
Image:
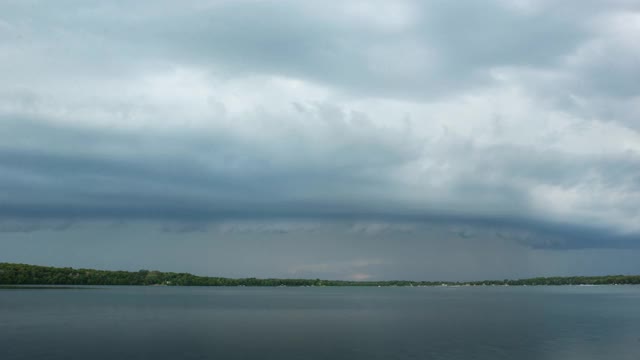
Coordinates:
334	139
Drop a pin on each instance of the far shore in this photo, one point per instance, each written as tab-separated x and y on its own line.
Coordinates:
39	277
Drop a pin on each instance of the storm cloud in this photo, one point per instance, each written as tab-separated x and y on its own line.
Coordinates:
511	125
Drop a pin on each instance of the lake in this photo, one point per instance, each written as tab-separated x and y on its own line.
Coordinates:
566	322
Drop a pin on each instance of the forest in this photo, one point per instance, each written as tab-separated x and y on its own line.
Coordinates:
23	274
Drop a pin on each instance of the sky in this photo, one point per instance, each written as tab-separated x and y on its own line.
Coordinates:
422	140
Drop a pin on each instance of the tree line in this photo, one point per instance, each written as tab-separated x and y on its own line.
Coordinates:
23	274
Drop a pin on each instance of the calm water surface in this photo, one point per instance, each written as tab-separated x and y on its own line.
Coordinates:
566	323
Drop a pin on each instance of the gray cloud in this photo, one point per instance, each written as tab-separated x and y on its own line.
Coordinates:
500	121
422	49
